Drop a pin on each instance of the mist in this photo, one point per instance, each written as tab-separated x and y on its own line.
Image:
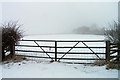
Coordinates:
59	17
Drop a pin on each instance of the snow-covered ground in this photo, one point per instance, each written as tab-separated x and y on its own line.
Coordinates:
44	69
0	71
55	70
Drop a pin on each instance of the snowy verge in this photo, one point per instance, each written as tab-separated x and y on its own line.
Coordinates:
0	71
31	69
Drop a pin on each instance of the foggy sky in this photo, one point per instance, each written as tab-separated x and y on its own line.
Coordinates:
59	17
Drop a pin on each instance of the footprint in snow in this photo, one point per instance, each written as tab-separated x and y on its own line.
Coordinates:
75	67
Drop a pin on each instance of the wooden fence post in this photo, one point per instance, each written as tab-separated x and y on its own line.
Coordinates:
118	52
55	50
3	54
12	50
108	50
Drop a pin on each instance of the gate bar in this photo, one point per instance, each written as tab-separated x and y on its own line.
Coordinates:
68	51
42	49
91	50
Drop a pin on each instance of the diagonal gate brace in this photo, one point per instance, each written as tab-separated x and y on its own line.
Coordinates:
91	50
68	51
43	50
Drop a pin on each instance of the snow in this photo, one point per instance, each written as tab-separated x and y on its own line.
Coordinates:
0	71
42	68
66	37
28	69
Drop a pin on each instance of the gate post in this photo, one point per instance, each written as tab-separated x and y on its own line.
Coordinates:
118	52
3	54
108	50
12	50
55	50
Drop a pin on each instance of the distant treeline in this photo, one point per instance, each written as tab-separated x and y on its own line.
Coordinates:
89	30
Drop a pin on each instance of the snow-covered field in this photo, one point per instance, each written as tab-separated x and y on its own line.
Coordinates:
44	69
66	37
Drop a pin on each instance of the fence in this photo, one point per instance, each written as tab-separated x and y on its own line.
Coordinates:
57	50
114	52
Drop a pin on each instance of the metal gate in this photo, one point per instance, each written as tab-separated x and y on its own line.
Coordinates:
64	50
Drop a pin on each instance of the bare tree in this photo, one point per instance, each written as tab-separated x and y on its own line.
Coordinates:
11	33
89	30
113	33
